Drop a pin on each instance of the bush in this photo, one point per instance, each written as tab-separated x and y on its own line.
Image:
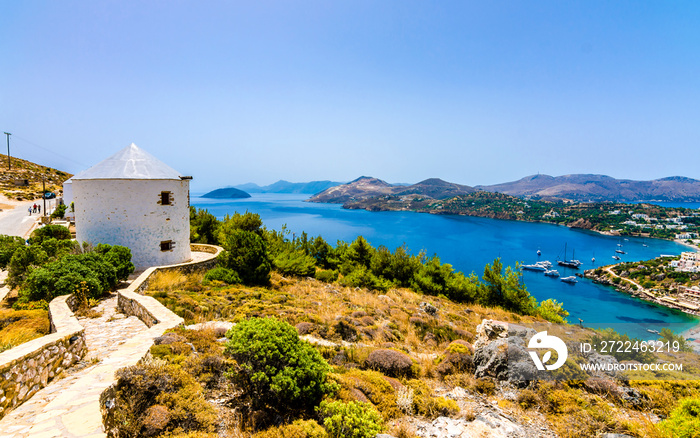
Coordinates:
23	260
298	429
119	257
426	405
8	246
245	253
59	212
684	421
369	386
327	276
363	277
391	362
89	272
154	398
350	420
47	231
277	371
225	275
295	264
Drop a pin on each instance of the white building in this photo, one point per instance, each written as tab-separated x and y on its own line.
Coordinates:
135	200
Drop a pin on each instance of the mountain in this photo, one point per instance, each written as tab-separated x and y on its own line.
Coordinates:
367	187
283	186
226	193
600	188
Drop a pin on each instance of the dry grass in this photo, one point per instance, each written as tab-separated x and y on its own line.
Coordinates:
18	327
166	281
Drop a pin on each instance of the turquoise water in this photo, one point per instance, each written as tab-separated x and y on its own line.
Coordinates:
469	243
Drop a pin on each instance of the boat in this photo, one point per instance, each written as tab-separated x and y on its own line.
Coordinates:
654	331
571	280
573	263
551	273
546	263
619	251
535	267
616	257
539	252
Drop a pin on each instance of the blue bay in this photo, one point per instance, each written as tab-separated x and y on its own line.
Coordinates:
468	243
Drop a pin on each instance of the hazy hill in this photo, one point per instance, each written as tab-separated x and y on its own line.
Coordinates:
366	187
226	193
584	187
11	180
283	186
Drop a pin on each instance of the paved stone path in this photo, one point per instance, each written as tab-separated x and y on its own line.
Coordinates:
68	406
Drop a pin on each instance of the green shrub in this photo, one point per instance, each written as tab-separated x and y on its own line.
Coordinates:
8	246
47	231
119	257
277	371
245	253
222	274
59	212
204	226
89	272
295	264
363	277
350	420
684	421
327	275
22	262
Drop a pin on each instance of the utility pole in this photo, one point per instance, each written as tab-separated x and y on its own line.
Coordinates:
43	183
9	166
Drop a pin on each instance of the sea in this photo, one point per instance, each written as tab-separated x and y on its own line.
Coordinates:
469	243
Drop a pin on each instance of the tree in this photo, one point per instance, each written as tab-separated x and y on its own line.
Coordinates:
360	252
204	226
246	254
8	246
504	289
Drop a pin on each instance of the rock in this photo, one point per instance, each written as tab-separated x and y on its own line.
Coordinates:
304	328
429	308
169	338
500	352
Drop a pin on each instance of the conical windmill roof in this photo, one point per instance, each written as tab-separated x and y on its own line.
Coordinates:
131	162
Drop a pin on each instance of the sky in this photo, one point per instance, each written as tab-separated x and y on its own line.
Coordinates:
472	92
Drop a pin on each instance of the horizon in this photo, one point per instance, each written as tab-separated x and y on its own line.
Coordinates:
475	94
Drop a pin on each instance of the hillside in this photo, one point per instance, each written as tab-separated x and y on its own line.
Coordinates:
367	187
283	186
600	188
12	181
226	193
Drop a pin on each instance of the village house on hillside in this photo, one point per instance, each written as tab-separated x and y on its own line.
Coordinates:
135	200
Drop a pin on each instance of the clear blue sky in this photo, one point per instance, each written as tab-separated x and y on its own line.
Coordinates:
474	92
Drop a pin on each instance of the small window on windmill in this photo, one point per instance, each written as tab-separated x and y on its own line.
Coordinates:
164	198
167	245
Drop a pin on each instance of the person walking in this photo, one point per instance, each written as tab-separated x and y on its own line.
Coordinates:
30	211
39	208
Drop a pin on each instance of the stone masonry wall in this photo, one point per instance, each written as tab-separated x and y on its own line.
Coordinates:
28	367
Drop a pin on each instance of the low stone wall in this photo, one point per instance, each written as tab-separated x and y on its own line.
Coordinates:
28	367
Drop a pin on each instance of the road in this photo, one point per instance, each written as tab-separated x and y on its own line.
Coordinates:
18	222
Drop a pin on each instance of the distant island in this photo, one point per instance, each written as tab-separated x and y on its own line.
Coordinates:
226	193
283	186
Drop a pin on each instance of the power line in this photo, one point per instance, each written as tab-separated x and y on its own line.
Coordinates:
50	151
